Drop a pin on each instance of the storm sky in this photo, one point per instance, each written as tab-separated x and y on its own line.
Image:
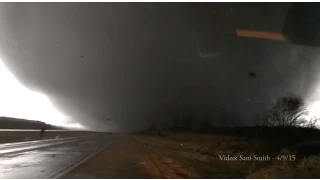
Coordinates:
140	63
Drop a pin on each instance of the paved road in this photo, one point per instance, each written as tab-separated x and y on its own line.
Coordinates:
48	158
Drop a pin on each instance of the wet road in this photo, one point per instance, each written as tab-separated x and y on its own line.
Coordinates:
48	158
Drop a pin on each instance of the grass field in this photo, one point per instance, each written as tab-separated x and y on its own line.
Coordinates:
195	155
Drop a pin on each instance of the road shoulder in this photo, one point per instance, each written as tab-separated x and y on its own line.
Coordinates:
126	158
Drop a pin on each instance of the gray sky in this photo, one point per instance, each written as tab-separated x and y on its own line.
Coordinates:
138	63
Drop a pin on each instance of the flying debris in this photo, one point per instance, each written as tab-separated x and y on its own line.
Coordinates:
252	74
81	56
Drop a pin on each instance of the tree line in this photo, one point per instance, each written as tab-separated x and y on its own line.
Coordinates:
286	111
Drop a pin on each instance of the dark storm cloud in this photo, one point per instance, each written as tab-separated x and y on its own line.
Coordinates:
138	63
94	60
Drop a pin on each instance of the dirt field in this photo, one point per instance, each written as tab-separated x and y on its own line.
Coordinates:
19	136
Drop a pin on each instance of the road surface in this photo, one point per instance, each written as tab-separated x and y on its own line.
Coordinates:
127	158
47	158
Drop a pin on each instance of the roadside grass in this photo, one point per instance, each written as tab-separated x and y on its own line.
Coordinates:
195	155
307	168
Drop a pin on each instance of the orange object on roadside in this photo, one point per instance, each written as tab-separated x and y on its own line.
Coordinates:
261	35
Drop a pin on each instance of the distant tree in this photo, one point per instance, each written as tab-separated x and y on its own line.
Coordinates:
166	125
176	124
205	125
286	111
262	120
312	122
152	127
187	123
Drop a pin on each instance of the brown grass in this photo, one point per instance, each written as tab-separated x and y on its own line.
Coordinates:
197	156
